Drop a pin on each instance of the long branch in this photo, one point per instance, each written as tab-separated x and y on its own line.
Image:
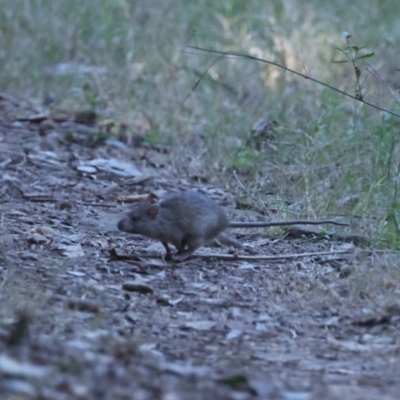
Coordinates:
222	54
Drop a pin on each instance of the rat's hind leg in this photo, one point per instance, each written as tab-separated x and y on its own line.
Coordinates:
180	254
168	254
192	246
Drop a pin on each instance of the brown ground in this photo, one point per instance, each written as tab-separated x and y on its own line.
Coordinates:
313	328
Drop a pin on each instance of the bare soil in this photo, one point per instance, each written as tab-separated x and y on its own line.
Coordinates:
76	323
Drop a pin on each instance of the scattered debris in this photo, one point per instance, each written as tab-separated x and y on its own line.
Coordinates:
284	318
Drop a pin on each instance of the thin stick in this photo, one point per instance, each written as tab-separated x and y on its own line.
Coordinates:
247	56
201	77
235	257
232	257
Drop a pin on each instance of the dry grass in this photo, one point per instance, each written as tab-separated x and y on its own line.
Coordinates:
372	285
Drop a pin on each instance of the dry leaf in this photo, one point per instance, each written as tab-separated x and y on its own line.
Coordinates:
199	325
76	273
72	251
10	366
112	166
45	231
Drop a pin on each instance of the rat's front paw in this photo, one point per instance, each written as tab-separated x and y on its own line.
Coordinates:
180	257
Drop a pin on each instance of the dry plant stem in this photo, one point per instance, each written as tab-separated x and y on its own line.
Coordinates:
97	204
222	55
239	181
235	257
272	258
396	219
246	56
377	76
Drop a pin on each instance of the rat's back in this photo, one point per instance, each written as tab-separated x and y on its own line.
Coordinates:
195	214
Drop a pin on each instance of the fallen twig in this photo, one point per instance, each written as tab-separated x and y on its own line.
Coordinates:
236	257
232	257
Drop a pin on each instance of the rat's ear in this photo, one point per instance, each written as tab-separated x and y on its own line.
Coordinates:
152	211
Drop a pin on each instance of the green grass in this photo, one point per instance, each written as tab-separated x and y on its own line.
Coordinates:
327	148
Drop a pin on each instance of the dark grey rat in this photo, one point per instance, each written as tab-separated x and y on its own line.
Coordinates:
188	220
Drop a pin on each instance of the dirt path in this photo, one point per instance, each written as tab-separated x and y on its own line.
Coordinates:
314	328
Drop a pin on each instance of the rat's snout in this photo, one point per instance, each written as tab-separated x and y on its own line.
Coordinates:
120	225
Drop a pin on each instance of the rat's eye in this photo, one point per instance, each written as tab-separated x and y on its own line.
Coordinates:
135	218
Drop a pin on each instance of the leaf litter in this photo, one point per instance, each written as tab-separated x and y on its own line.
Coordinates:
101	326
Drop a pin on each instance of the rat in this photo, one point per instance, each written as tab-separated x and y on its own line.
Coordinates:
188	220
